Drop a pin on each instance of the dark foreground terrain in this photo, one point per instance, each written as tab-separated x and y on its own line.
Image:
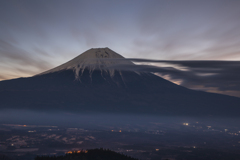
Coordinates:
92	154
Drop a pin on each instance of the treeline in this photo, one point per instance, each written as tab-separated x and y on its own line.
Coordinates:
92	154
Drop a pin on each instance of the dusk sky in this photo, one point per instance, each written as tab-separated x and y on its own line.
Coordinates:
39	35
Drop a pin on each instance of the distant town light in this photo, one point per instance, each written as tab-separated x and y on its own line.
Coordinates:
225	130
82	151
185	124
120	130
157	149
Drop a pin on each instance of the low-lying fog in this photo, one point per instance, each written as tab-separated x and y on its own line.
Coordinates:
92	120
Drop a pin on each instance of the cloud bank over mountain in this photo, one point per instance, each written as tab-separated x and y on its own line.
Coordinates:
213	76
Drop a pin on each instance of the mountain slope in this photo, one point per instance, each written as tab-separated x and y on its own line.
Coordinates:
84	84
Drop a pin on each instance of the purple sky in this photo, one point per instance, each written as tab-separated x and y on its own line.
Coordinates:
39	35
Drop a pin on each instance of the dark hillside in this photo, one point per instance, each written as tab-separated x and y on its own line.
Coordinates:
93	154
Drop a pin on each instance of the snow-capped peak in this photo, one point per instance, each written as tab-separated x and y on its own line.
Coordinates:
92	59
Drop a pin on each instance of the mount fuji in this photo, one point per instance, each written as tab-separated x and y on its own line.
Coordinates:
88	84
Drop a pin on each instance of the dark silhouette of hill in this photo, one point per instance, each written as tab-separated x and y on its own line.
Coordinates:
96	90
3	157
93	154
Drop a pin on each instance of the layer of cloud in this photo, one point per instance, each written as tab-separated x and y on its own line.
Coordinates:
212	76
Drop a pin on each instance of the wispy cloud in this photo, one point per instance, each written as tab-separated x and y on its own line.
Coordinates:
214	76
21	60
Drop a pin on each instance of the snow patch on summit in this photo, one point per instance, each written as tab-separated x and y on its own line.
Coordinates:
92	59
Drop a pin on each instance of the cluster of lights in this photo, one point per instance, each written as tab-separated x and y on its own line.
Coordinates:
116	131
233	134
72	152
185	124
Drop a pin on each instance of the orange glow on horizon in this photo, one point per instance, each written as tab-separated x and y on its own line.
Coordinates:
72	152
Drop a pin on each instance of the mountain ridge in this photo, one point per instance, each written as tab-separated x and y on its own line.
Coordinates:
99	91
92	59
